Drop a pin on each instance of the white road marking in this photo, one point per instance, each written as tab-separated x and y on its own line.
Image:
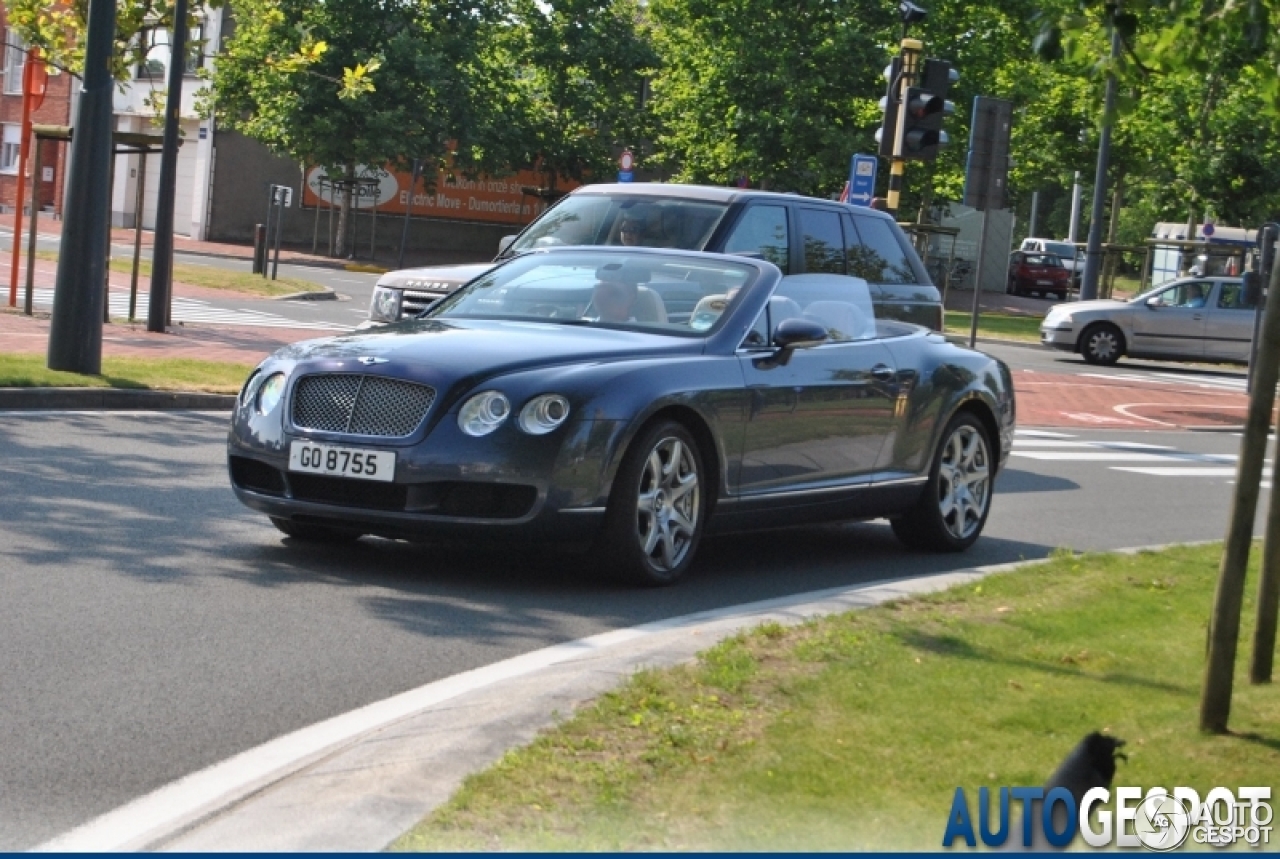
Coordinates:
1183	471
1109	456
196	310
1030	433
1019	443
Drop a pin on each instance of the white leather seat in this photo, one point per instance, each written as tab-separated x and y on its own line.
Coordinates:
648	306
707	311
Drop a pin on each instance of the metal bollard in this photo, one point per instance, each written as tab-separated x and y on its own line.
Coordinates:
259	248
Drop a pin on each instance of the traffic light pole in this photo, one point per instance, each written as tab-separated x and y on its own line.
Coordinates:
912	49
1093	250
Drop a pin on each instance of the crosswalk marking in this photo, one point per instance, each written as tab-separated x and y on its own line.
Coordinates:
196	310
1030	433
1182	471
1155	377
1115	456
1022	443
1151	460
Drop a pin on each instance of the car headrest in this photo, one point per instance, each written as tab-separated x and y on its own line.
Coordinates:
625	271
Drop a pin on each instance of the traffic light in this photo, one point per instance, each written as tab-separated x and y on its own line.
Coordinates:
926	106
889	104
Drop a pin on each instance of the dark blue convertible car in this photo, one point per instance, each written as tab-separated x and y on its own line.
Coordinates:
631	400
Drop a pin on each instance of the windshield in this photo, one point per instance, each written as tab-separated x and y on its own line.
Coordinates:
669	293
1062	249
622	219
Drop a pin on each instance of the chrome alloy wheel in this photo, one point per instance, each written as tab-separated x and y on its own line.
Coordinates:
964	481
669	505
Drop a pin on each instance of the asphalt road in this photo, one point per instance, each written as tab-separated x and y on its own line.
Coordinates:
151	626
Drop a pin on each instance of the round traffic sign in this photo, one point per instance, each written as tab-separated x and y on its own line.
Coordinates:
626	160
1207	229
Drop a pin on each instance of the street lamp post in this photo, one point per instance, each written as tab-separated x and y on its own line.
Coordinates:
162	247
1093	251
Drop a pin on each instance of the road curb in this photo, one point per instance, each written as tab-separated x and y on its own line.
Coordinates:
359	780
325	293
111	399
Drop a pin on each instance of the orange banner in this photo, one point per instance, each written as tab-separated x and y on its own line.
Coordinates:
500	200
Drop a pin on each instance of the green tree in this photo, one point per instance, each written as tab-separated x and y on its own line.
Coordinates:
282	80
57	29
781	93
571	75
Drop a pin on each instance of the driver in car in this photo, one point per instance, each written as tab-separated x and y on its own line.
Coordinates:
613	300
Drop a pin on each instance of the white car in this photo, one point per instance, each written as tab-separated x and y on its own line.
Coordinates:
1197	319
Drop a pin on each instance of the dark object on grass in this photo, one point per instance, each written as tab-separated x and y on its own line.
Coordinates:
1091	764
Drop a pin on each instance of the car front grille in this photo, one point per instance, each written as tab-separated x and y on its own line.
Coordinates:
355	404
414	301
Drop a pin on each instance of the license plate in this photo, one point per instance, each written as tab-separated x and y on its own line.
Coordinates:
342	461
1044	283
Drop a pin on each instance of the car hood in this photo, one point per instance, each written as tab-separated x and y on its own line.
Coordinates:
451	274
1074	307
446	352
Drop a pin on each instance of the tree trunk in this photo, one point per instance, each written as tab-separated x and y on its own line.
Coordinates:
1112	259
1224	623
344	212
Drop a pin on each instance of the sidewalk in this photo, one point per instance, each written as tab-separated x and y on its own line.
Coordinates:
47	226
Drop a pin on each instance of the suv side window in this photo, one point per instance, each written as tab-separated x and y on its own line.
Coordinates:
1231	296
763	230
823	241
877	257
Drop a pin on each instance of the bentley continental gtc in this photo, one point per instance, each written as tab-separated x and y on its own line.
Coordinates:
631	401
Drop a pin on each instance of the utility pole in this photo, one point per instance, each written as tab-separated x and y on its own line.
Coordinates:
162	247
1093	251
75	329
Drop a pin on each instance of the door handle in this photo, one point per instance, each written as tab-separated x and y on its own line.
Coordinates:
1197	316
883	373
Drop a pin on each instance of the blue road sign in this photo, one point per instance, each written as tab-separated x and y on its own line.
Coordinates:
862	179
626	176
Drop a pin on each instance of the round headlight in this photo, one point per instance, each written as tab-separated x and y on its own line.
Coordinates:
543	414
483	413
271	392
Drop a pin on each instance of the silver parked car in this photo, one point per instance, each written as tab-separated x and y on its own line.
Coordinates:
1196	319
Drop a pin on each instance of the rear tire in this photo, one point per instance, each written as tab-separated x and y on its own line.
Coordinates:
657	508
309	533
952	510
1102	344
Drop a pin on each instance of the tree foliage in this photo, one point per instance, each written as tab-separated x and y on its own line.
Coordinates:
58	30
568	78
780	93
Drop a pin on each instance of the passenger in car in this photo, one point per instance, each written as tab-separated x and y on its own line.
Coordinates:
613	300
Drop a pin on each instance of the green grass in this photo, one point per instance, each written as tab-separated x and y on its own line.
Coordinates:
210	277
852	732
162	374
1001	325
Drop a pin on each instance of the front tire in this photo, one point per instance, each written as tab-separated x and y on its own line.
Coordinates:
656	510
1102	344
952	509
308	533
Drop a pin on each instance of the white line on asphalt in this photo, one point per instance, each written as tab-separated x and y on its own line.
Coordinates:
1183	471
1019	443
1106	456
1030	433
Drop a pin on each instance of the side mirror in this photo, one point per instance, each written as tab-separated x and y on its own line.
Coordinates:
1155	302
798	334
1252	289
790	335
504	243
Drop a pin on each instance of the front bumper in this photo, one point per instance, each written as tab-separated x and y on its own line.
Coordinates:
1059	337
539	488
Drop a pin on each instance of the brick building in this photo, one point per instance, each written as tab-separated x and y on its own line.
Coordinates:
56	110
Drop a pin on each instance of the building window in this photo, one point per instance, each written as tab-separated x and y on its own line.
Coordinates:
15	57
12	142
158	44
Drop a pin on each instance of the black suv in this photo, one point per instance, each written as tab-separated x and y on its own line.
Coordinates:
800	235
